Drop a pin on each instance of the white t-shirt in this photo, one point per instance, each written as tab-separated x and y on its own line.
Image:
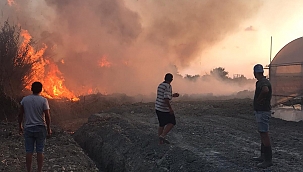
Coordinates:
34	105
164	91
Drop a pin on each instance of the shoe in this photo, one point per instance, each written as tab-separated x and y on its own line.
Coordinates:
259	158
163	140
267	158
262	154
265	164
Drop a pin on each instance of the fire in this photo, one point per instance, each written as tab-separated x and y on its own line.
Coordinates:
104	62
46	71
11	2
53	83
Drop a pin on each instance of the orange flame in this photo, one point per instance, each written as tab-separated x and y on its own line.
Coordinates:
11	2
45	71
104	62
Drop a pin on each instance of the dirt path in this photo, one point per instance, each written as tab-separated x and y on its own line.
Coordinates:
209	136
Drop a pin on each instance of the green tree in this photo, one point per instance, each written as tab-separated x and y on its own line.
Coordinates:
192	77
219	72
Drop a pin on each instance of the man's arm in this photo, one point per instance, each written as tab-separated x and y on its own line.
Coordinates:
263	94
169	106
20	119
48	121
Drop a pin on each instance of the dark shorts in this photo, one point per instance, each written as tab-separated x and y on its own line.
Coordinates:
34	136
165	118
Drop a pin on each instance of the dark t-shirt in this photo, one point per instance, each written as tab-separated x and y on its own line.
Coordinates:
264	105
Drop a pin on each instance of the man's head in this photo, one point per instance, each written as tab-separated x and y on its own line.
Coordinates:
36	87
258	71
168	78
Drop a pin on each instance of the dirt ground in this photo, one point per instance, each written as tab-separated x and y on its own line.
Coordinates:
214	135
62	153
210	135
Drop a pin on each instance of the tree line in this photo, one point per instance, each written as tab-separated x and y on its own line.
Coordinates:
221	74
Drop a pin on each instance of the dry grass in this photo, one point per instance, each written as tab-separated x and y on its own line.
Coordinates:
71	115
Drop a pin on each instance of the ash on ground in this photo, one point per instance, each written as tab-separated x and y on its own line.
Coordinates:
213	135
210	135
62	153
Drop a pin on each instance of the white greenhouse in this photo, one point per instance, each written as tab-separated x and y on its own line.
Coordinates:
286	74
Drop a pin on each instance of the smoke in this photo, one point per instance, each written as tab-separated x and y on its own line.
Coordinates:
141	40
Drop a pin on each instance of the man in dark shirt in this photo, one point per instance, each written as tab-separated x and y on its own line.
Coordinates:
262	111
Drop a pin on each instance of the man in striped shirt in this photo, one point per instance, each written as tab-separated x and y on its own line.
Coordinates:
163	108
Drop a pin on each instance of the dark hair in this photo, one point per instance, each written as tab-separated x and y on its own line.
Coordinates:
168	77
36	87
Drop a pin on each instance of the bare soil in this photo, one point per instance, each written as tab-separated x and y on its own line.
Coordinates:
213	135
62	153
210	135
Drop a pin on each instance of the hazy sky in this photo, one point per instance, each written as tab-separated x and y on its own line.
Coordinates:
250	44
141	40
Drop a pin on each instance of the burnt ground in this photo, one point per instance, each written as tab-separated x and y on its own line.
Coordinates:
215	135
62	153
210	135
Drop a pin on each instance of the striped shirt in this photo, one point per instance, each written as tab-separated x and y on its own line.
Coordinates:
164	91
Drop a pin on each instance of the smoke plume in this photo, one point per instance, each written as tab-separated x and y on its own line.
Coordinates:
127	46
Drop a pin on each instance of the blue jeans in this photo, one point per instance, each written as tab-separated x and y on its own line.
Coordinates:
262	118
35	135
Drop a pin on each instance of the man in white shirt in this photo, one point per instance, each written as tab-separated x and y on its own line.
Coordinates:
34	112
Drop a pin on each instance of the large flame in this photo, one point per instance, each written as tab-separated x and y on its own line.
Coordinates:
46	71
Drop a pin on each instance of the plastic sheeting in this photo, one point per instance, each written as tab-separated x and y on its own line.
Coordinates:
286	72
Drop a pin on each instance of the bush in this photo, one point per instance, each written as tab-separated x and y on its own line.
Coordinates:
14	60
16	65
8	108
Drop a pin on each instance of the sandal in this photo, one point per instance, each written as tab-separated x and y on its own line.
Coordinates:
163	140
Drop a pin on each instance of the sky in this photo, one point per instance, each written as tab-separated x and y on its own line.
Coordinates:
128	45
250	44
